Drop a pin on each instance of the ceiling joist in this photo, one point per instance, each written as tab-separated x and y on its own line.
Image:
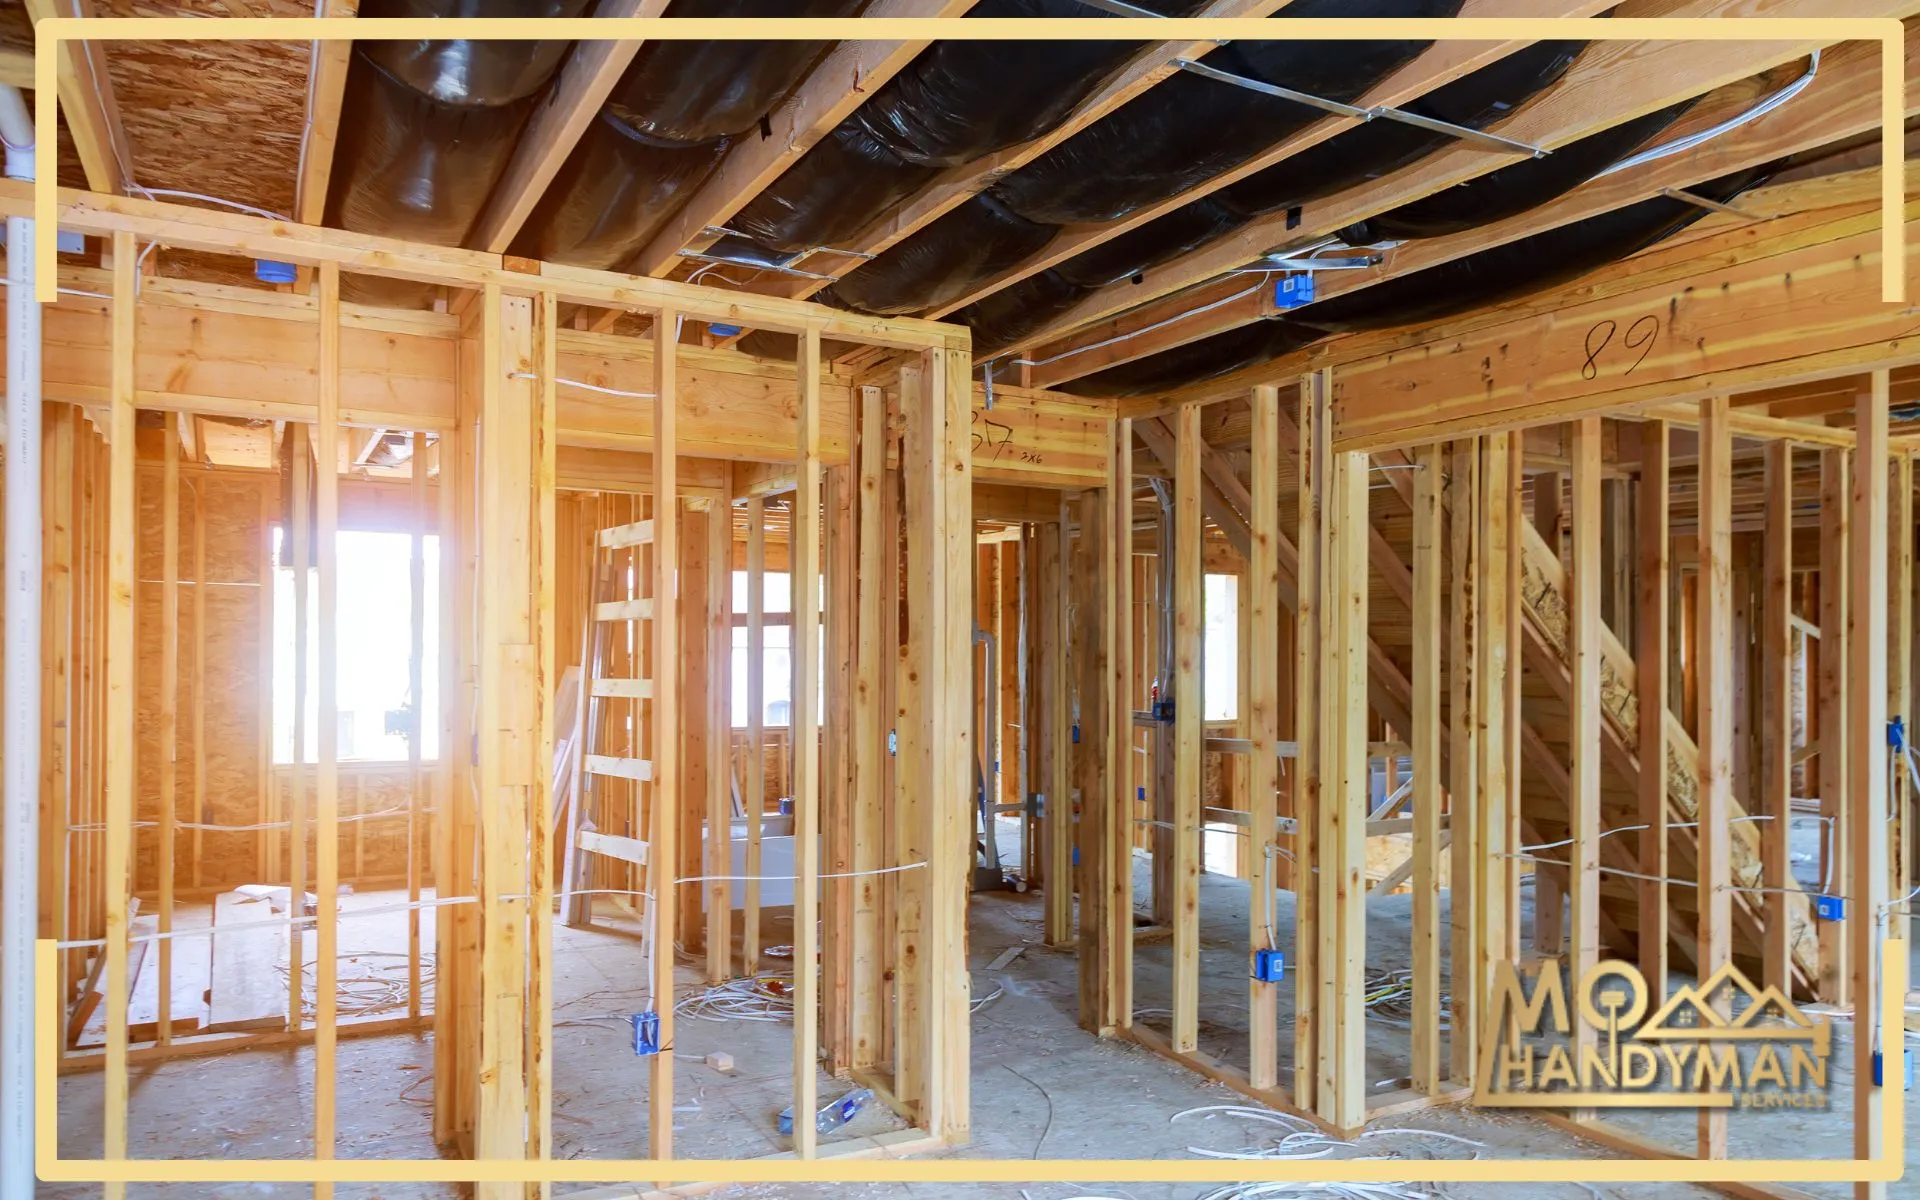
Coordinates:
566	110
326	89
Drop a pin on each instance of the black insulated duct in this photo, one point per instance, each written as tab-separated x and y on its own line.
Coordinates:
668	123
955	103
1174	137
1191	128
1529	264
427	127
978	240
1512	190
1360	155
1382	146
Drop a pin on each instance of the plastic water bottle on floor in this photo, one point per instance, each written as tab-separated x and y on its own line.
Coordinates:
834	1115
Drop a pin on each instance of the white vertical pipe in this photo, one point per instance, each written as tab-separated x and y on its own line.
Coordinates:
20	816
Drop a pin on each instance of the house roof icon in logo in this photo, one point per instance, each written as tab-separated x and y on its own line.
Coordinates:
1689	1015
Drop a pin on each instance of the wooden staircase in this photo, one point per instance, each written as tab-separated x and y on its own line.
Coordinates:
1547	680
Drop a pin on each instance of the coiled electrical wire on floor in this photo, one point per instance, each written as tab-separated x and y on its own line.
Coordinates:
767	998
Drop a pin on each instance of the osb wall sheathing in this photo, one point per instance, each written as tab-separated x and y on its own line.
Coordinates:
235	699
375	800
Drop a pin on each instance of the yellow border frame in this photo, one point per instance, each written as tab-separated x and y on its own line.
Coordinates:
52	32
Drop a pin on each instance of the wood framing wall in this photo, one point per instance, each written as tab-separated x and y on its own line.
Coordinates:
1450	583
177	730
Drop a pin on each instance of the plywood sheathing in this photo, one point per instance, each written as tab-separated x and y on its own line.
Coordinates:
236	699
219	118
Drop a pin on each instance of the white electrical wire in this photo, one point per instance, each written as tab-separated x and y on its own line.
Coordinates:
764	998
591	387
1606	870
1680	145
177	194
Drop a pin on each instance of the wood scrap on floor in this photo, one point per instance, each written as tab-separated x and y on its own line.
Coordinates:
246	990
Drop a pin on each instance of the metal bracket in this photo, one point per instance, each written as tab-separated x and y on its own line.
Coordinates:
1682	194
1270	89
1287	262
1489	140
720	231
697	256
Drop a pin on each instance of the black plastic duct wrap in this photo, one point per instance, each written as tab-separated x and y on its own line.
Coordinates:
1509	191
1190	128
1361	155
978	240
1382	146
1006	316
1503	272
999	319
427	127
1492	276
956	102
663	130
1175	136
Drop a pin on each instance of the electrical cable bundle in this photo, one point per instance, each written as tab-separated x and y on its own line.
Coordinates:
767	998
379	990
1389	997
1303	1141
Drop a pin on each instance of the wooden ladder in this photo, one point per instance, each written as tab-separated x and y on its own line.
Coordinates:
612	744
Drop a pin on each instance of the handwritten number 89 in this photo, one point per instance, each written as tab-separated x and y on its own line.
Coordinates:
1640	336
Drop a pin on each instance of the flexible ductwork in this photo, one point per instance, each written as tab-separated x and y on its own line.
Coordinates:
1171	138
1360	155
1512	190
427	127
1489	277
1190	128
955	103
663	130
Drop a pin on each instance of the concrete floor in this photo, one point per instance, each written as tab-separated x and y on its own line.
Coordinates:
1041	1086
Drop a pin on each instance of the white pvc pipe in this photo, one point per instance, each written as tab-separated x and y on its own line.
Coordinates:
19	815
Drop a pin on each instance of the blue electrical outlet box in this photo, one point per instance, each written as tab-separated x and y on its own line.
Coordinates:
646	1033
1293	291
1896	733
1269	966
1140	793
1830	908
1163	710
1906	1080
1076	856
1076	734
